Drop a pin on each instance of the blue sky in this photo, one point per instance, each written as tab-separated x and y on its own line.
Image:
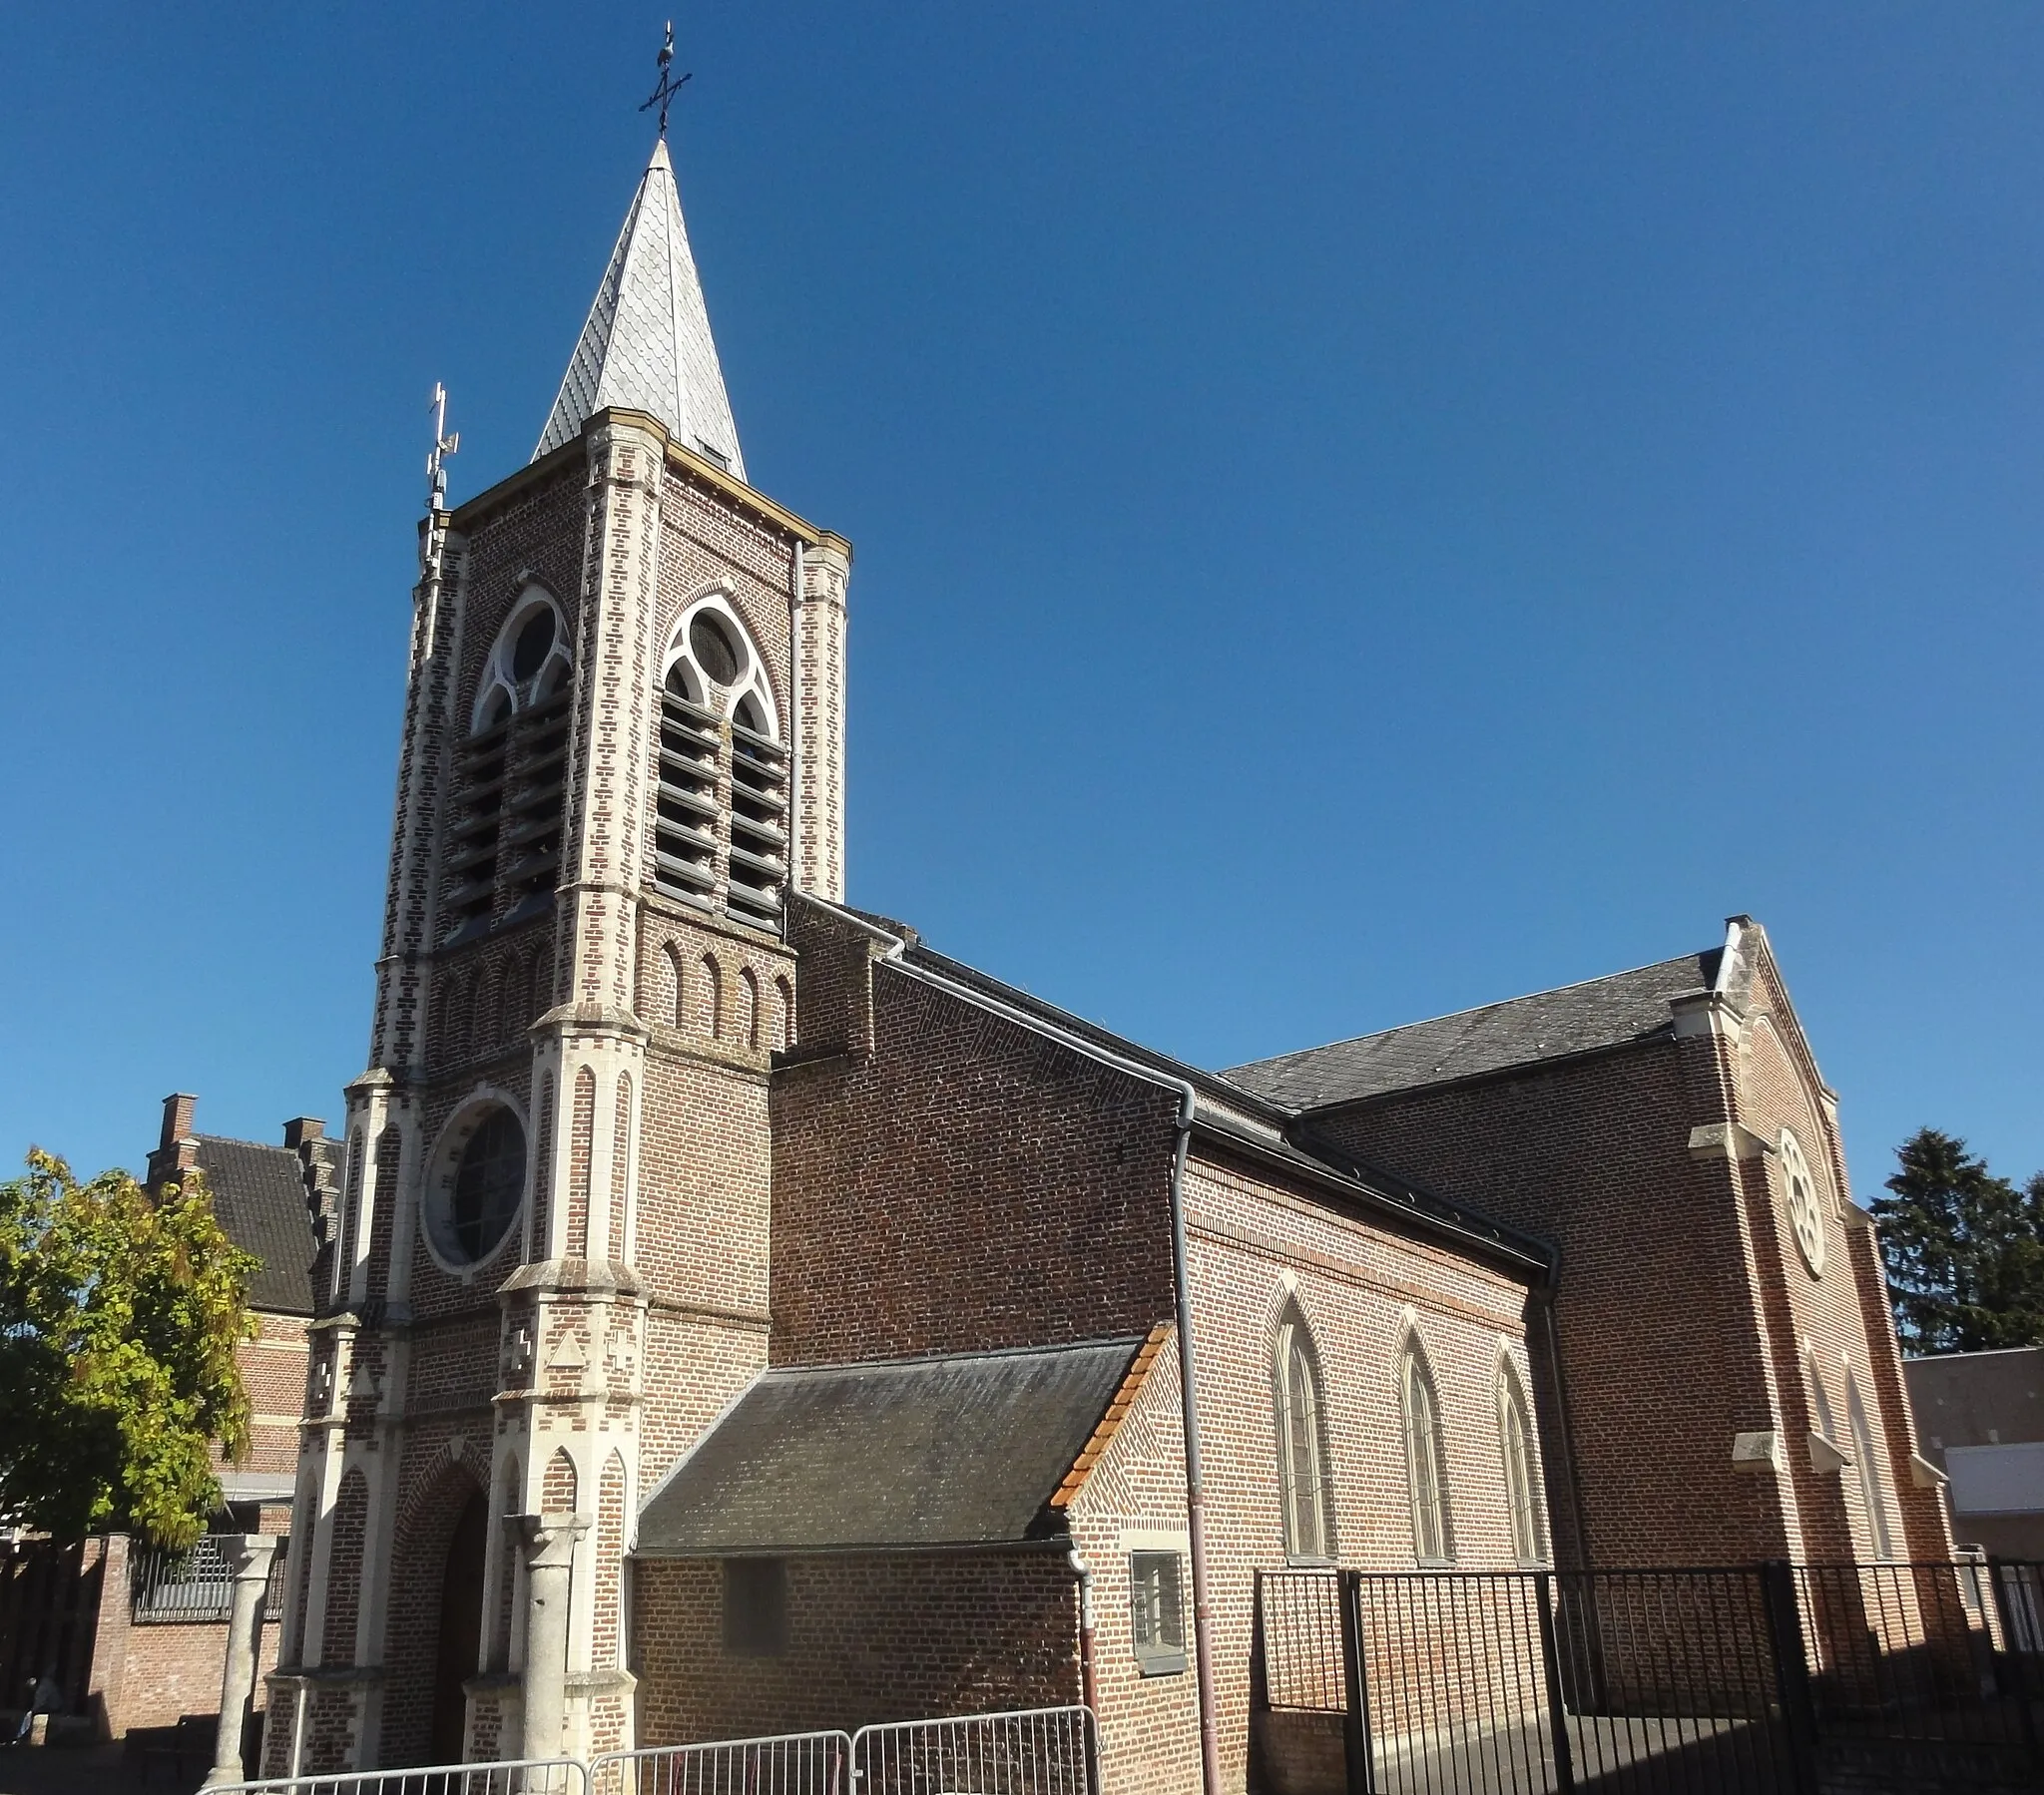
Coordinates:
1362	510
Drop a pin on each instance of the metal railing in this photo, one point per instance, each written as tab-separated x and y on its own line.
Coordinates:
1026	1751
1299	1624
526	1776
1752	1679
1926	1651
194	1587
786	1764
1029	1751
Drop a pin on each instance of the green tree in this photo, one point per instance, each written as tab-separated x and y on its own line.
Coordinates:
119	1318
1964	1249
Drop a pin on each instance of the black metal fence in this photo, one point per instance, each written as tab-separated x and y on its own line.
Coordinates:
194	1587
1759	1679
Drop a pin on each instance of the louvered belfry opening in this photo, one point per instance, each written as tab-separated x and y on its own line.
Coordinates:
510	782
536	791
759	824
505	847
684	839
721	834
472	867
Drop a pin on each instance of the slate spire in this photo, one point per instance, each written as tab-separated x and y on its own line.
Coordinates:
646	342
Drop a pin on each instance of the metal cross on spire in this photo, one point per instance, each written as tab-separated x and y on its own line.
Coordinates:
664	94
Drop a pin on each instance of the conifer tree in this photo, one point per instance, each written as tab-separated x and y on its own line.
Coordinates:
120	1313
1965	1250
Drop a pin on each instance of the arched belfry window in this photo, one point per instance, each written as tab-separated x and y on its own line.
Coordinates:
1522	1490
503	852
720	734
1426	1475
1304	1490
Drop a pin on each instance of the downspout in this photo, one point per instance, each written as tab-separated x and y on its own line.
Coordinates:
1089	1683
1571	1481
1196	1531
1189	1402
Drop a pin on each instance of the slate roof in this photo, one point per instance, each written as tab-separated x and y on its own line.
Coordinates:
962	1450
646	343
1550	1025
258	1194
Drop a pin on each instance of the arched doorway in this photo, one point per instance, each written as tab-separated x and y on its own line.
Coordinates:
461	1625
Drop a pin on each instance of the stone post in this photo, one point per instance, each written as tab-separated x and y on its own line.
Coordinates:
549	1558
248	1557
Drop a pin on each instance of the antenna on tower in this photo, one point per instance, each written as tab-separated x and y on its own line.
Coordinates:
664	94
444	445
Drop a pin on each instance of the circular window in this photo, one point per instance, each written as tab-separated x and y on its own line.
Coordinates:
479	1198
529	653
716	653
1806	1214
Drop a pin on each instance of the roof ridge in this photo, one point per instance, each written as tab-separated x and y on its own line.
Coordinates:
1502	1003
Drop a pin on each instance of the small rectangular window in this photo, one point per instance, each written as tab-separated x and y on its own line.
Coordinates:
756	1608
1156	1612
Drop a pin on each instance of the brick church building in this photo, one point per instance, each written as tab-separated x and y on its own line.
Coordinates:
744	1318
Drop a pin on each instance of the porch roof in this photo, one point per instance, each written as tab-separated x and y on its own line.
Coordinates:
957	1451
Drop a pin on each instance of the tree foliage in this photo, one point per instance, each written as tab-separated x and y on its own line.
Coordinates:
1964	1249
119	1318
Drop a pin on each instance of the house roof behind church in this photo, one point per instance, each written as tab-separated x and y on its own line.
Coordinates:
962	1450
259	1194
645	344
1611	1011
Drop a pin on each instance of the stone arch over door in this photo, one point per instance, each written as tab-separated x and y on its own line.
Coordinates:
435	1626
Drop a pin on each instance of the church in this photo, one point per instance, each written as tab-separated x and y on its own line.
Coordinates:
739	1318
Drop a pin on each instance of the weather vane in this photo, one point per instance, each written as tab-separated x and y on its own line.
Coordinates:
664	94
444	445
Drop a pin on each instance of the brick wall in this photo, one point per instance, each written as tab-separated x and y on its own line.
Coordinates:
870	1640
1259	1248
273	1368
1684	1302
1657	1309
966	1185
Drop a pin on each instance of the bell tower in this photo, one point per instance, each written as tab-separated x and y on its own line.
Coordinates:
623	749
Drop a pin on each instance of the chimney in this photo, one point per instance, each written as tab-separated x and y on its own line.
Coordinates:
177	1151
301	1129
178	1108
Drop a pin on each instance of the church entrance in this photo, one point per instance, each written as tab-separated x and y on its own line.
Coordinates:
461	1626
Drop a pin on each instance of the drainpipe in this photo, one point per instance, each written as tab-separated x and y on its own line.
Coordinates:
1089	1684
1572	1479
1196	1531
1188	1107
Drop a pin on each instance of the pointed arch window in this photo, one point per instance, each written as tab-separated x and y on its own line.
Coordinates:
1304	1490
1522	1487
1872	1497
1425	1457
503	851
717	722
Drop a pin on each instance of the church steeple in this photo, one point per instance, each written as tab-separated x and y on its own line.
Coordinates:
646	342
